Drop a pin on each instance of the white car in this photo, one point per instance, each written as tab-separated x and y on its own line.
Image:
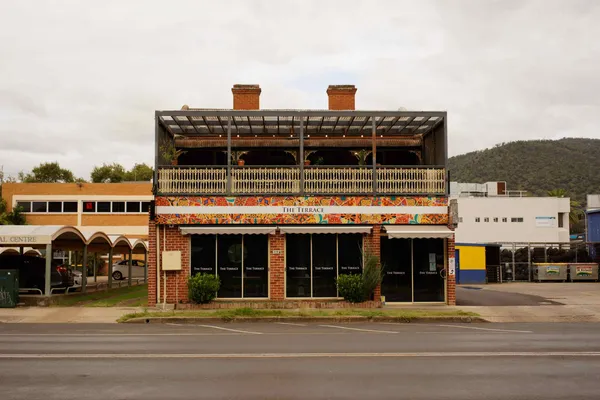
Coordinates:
121	269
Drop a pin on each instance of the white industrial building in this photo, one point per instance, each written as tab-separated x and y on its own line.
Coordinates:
488	213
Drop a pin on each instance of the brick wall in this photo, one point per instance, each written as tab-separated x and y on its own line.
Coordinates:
277	266
373	244
171	240
341	97
451	279
246	97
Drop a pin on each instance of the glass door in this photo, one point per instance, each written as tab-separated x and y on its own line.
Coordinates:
397	277
429	270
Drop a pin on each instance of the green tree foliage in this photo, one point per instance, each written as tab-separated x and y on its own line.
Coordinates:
537	166
14	217
114	173
50	172
576	213
139	172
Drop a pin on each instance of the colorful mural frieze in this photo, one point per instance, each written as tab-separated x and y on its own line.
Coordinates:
282	219
348	201
357	214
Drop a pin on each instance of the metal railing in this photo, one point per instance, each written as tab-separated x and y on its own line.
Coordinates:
314	180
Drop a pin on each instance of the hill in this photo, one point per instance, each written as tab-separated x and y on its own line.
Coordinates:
536	166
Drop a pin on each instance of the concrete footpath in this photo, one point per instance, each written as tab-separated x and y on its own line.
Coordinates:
64	314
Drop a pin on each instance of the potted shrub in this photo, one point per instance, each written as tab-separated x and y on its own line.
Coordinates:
306	155
203	288
236	156
357	288
169	153
361	156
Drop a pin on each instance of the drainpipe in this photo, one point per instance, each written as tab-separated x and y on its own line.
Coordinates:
157	263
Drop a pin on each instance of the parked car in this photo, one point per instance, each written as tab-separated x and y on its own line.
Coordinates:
121	269
32	271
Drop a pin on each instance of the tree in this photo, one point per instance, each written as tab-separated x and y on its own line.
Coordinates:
47	173
576	209
14	217
112	173
140	172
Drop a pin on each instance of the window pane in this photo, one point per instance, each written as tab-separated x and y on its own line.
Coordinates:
256	270
89	206
132	206
428	259
203	254
397	275
25	205
70	206
145	206
349	254
324	265
229	263
103	206
55	206
118	206
297	278
39	206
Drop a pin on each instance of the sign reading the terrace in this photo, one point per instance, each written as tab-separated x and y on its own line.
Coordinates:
303	210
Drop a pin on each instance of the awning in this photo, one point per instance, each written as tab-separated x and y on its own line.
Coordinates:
228	230
418	231
326	229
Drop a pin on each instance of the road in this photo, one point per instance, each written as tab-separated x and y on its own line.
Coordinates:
478	296
300	361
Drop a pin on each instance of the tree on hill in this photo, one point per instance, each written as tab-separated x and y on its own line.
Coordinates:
536	166
50	172
140	172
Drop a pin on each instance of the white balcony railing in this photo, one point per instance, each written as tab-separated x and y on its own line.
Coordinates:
259	180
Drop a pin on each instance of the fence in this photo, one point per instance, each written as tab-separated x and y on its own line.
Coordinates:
517	259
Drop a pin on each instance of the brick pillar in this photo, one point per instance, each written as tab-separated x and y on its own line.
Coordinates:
373	244
177	289
277	266
151	263
451	279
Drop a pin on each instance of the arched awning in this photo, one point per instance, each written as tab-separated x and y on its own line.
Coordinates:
140	246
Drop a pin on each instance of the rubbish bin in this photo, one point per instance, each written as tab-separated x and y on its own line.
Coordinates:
550	272
9	288
583	272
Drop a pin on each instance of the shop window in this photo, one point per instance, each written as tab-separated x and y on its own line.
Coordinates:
70	206
428	263
298	271
133	206
229	265
256	266
118	206
203	257
25	206
89	206
349	254
324	265
103	206
39	206
54	206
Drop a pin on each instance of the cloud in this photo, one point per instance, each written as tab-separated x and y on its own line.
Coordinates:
79	83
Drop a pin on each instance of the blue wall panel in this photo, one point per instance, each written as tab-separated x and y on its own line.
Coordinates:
471	276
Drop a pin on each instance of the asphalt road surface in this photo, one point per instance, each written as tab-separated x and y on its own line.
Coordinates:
477	296
300	361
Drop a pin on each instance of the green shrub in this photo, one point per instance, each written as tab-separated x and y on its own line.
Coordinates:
350	287
203	288
372	274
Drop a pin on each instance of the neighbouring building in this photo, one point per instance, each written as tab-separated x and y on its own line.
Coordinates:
488	213
112	208
279	203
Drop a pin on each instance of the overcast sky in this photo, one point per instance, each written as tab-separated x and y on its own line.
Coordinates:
80	80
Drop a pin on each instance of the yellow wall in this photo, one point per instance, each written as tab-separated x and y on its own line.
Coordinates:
51	219
113	220
471	257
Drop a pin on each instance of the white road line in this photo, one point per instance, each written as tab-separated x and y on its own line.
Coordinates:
307	355
84	335
290	323
357	329
485	329
229	329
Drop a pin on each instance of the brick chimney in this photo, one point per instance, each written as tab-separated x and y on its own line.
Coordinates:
246	97
341	97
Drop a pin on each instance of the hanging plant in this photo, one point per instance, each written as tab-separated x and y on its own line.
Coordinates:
361	156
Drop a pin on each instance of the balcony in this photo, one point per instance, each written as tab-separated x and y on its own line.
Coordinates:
301	180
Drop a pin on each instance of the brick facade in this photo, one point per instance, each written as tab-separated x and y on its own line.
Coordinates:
373	245
277	266
451	279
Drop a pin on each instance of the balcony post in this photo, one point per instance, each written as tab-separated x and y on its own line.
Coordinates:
374	152
229	154
301	155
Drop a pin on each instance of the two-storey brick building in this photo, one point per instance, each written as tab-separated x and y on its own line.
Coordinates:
278	203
